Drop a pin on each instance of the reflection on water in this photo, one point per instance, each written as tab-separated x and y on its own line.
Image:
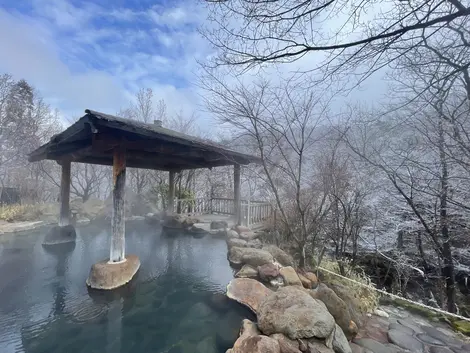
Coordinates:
173	304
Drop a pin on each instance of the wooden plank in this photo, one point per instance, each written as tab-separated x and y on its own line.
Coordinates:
64	215
117	251
236	193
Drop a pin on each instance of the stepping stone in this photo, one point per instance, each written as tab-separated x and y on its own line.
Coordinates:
459	350
434	349
411	324
466	346
399	327
435	333
356	348
405	341
429	340
374	346
395	348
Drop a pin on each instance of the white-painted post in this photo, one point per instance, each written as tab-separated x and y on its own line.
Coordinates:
236	193
64	216
118	226
248	213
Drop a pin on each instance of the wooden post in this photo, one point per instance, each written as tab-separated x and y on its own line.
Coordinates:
236	193
118	227
64	216
171	192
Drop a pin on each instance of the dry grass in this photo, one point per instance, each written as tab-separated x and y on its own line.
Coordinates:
368	298
27	212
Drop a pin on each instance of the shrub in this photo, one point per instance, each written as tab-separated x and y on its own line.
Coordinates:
18	213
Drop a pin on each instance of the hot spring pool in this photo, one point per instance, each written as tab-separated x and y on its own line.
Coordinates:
174	304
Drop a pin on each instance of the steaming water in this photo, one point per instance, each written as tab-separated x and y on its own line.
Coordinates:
170	306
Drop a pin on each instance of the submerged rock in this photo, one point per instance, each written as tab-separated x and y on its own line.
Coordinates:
248	292
60	235
294	313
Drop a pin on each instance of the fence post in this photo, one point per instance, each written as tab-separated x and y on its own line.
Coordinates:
248	213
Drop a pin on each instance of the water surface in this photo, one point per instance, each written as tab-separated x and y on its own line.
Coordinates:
174	304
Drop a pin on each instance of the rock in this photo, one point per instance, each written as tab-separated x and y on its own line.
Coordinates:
290	276
197	232
228	329
305	281
314	346
381	313
286	344
242	229
60	235
353	304
340	342
236	242
219	302
403	340
441	336
254	257
247	272
399	327
336	306
355	348
93	208
312	277
231	234
105	275
439	350
153	218
255	243
248	292
429	340
411	324
175	221
277	282
303	345
218	233
268	272
247	235
248	329
189	221
279	255
374	346
258	344
294	313
219	225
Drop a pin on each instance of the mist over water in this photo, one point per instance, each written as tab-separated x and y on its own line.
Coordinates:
45	305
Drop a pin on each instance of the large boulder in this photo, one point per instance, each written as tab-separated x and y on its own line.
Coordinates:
254	243
279	255
353	303
250	256
241	229
290	276
219	225
106	275
248	292
286	344
294	313
248	329
315	346
336	306
312	277
232	234
231	242
305	281
340	342
268	272
248	236
258	344
247	271
60	235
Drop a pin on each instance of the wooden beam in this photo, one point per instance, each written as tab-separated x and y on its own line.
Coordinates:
171	192
64	216
236	193
117	252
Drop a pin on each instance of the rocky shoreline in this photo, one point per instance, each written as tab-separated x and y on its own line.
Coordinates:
298	313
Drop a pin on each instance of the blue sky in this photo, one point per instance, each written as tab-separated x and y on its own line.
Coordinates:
97	54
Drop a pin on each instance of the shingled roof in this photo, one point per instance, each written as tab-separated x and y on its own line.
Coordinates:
94	136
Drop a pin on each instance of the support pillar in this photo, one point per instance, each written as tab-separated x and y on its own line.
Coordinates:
236	194
119	269
118	227
64	216
171	192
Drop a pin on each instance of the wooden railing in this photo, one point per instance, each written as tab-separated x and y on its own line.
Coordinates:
194	206
255	212
252	212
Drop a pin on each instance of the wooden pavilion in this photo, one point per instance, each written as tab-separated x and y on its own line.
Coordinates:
104	139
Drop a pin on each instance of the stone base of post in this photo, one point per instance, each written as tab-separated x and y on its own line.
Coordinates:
60	235
111	275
